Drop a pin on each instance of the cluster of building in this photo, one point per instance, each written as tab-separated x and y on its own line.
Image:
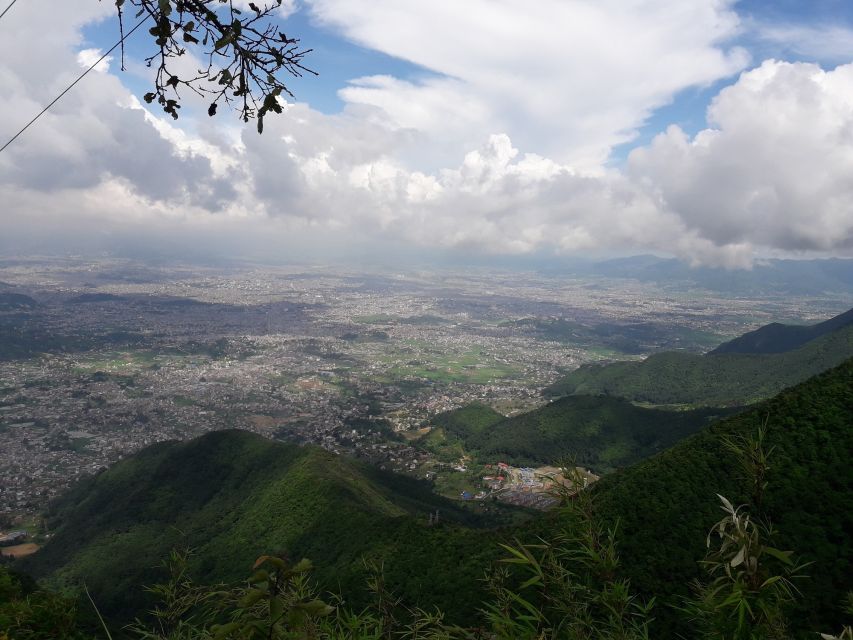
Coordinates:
341	359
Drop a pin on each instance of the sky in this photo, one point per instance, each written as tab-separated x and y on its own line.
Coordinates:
716	131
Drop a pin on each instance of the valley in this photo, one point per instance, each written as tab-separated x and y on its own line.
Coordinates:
99	359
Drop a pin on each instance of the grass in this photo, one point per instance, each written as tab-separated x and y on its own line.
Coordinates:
472	367
116	361
452	483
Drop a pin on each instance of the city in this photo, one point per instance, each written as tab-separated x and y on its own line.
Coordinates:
125	355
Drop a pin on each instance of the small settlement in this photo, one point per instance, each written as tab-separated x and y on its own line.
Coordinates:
535	488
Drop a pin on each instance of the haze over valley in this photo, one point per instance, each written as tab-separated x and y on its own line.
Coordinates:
102	358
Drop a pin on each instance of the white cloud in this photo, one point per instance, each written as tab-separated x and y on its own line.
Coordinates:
776	169
286	9
96	134
821	42
88	57
568	80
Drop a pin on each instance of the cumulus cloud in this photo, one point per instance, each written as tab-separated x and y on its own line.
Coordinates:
97	133
564	79
776	169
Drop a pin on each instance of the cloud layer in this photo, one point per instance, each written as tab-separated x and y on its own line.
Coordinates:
500	146
567	80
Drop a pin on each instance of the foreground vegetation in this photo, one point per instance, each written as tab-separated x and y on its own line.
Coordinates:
567	587
233	497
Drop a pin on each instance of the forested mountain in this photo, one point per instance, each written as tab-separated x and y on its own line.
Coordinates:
720	379
598	432
665	505
777	337
231	496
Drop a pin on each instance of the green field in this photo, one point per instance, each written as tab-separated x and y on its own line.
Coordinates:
471	367
115	362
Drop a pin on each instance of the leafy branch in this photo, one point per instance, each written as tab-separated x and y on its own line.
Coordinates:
245	54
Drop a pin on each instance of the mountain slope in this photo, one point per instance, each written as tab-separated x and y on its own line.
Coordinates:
600	433
726	379
475	418
777	338
665	505
232	496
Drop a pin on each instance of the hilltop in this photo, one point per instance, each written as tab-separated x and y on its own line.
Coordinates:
598	432
714	379
231	496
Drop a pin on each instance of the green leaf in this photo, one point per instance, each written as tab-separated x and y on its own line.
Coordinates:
223	630
252	597
259	576
783	556
303	566
276	609
738	559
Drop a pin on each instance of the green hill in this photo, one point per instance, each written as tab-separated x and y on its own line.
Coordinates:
778	338
665	505
475	418
725	379
602	433
232	496
447	439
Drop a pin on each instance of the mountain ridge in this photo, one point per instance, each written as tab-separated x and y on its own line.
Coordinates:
779	338
723	379
599	432
232	496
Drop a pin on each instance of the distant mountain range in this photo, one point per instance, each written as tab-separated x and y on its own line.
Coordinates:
780	276
778	338
745	370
